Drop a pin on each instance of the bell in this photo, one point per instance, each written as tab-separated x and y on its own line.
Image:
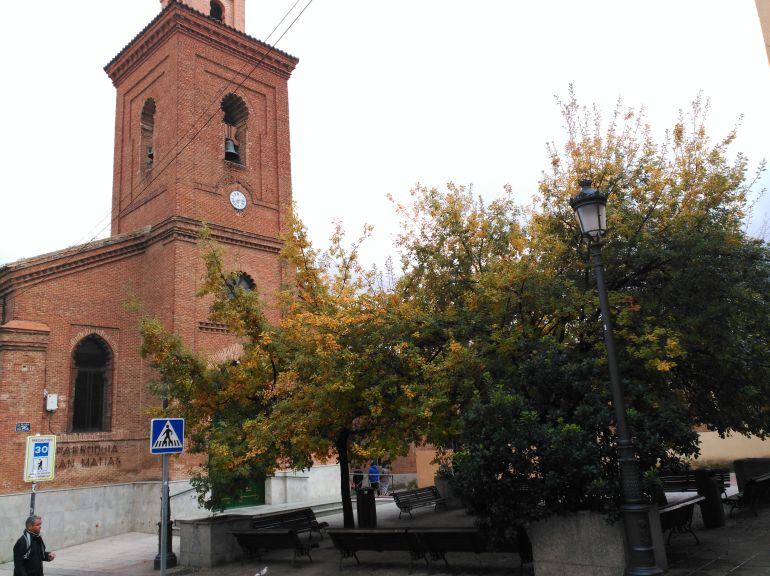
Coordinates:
231	151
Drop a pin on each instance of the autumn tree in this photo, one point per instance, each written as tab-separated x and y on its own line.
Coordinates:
517	329
340	376
356	382
221	401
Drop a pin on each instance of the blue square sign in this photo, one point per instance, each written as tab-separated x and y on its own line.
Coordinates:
167	435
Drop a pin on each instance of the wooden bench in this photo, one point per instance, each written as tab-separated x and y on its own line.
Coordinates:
754	492
353	540
686	482
428	544
301	520
677	517
252	541
406	500
437	542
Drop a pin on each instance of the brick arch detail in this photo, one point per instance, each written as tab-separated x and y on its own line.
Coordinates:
75	340
229	183
111	369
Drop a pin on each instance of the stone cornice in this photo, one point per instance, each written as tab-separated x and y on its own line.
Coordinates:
181	18
24	336
42	268
32	271
182	228
23	346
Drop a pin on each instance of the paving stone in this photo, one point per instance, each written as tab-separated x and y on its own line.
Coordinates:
740	548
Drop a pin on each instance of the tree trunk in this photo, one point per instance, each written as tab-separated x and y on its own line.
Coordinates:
347	503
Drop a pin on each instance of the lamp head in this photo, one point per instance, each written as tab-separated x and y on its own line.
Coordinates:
590	209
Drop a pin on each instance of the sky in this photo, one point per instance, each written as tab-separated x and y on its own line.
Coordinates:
386	95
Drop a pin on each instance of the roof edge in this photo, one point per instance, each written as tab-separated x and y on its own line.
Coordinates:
174	5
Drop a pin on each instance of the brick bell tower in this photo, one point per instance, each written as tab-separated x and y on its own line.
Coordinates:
201	136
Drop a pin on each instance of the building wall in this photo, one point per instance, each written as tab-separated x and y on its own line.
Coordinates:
185	62
187	74
763	9
234	14
716	451
76	515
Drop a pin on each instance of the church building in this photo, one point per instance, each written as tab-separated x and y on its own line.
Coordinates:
201	137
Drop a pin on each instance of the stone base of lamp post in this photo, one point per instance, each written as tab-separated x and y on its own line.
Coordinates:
584	544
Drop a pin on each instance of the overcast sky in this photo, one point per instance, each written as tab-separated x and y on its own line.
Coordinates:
386	94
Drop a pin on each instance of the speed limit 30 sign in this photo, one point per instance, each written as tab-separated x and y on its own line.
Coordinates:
40	461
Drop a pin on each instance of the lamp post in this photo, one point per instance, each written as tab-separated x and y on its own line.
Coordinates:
590	208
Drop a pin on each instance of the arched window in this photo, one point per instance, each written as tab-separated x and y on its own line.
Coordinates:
217	12
236	117
91	398
242	281
147	146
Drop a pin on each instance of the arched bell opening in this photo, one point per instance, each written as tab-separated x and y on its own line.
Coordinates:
236	117
217	11
147	146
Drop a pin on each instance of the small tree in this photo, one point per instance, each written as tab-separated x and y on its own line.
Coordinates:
353	381
221	400
339	376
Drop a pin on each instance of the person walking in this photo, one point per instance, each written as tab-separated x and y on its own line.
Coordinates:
29	552
374	477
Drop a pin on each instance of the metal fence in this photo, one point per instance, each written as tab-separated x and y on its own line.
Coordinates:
388	482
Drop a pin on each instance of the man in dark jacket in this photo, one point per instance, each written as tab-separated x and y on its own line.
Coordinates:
29	551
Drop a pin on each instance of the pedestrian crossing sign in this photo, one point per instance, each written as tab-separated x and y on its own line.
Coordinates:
167	435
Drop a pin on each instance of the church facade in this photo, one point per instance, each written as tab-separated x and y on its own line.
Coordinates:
201	138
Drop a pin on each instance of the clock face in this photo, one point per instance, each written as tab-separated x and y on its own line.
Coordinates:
238	199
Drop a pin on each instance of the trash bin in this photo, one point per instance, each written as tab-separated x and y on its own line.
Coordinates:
711	508
366	508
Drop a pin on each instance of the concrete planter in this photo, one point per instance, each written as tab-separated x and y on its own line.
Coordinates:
206	543
444	488
584	544
747	468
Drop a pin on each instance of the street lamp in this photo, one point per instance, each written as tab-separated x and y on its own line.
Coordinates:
590	208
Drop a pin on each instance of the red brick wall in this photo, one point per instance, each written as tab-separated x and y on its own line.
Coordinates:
234	14
187	76
182	61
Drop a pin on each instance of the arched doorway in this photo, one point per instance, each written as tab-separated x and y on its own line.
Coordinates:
91	397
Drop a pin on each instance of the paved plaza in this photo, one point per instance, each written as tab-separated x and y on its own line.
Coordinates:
741	548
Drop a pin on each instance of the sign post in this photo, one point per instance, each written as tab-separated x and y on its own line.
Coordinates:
39	463
166	437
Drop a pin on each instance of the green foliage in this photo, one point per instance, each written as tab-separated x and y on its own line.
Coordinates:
338	377
493	333
514	335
